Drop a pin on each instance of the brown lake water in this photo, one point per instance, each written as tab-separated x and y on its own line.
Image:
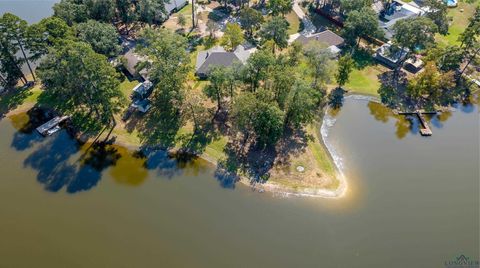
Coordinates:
411	202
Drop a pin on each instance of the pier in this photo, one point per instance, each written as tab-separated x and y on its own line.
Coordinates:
425	128
51	126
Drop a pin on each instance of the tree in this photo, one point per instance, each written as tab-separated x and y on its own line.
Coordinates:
151	11
302	104
10	64
71	11
429	84
347	6
276	30
361	23
345	67
447	58
126	12
295	53
47	33
243	111
282	79
212	27
101	10
470	39
268	123
14	38
412	34
103	37
168	61
282	7
320	63
232	37
250	20
437	12
182	21
258	67
217	90
81	83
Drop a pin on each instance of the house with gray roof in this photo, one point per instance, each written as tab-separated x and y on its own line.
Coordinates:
218	56
333	41
397	10
131	60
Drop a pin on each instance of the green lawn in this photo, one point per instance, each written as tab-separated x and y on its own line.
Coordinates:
365	81
215	149
126	87
294	22
319	152
459	23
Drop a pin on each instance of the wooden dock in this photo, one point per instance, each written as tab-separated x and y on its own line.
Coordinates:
51	126
425	128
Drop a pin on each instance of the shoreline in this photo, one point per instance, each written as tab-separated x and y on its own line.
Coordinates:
321	129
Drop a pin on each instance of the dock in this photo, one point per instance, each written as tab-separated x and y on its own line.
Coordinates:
51	126
425	128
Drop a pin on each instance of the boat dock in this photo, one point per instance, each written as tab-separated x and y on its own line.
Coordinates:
425	128
51	126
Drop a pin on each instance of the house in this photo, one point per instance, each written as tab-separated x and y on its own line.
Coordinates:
390	55
218	56
414	65
175	5
395	11
142	90
333	41
130	62
141	105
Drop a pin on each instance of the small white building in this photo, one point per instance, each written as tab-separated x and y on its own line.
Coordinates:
175	5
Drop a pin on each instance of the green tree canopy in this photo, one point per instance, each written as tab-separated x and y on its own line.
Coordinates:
430	83
350	5
360	23
447	58
232	37
81	83
280	7
345	67
258	67
103	37
437	11
168	63
320	63
302	104
151	11
250	20
71	11
218	88
276	30
268	123
13	40
101	10
414	33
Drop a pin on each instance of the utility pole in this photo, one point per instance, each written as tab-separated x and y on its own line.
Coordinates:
193	14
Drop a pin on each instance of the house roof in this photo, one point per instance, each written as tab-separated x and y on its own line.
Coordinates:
174	4
132	59
143	88
328	37
398	11
219	57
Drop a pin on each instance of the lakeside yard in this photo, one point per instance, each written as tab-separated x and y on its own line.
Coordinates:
460	16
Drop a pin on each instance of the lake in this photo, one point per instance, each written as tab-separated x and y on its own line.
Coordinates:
411	202
30	10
